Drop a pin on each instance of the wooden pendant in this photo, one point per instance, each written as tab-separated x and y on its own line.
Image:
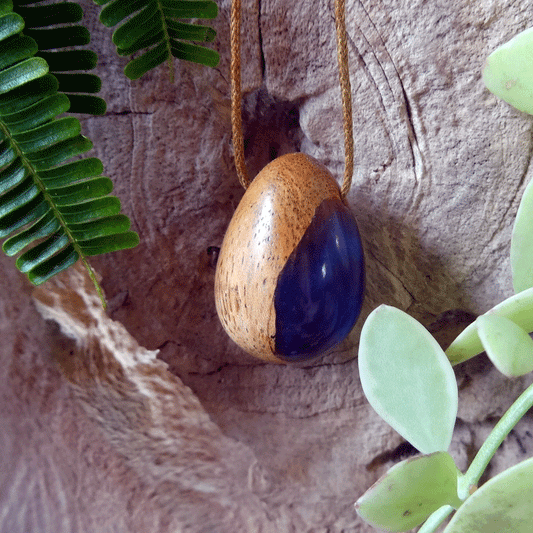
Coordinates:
290	274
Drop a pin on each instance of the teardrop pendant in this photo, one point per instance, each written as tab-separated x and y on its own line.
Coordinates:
290	275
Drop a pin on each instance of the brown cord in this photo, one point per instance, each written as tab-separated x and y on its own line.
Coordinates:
236	94
346	92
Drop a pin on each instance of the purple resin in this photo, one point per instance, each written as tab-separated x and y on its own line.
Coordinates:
320	290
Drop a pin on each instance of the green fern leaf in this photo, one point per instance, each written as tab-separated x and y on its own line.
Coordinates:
87	211
44	227
29	94
38	113
53	27
52	211
21	73
70	60
156	28
53	266
51	14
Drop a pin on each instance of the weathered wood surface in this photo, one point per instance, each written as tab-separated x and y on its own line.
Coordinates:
99	435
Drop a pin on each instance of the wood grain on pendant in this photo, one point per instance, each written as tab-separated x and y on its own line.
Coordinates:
268	224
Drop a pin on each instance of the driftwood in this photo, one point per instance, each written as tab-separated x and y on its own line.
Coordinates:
149	419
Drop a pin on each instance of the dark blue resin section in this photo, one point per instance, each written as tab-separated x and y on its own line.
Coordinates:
320	290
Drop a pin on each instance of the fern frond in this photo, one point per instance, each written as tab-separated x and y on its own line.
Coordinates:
155	27
53	27
52	211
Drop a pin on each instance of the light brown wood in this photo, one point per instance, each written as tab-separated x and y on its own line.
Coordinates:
268	224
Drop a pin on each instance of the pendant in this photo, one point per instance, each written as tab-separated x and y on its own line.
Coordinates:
289	281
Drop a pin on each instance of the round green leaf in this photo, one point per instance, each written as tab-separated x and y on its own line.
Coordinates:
518	308
407	379
508	346
508	72
522	242
410	491
502	505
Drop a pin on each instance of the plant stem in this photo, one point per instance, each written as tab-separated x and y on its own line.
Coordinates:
97	287
436	519
507	422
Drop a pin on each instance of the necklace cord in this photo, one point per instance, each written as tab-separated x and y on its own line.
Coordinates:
236	94
346	93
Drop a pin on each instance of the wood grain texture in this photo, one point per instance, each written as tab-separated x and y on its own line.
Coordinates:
440	167
268	224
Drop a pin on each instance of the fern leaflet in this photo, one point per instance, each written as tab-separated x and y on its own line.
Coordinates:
155	26
53	211
53	27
